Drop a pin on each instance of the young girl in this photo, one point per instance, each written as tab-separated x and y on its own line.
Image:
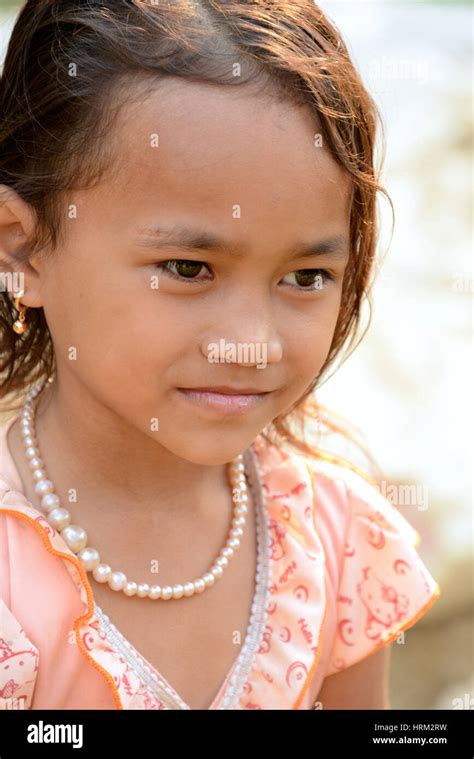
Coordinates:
187	237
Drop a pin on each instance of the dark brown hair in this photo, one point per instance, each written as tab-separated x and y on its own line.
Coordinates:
72	64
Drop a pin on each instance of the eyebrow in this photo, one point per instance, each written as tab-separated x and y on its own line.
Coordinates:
192	240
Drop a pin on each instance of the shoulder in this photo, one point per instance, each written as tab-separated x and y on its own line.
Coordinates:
338	488
291	469
19	660
19	656
344	491
43	589
384	584
381	584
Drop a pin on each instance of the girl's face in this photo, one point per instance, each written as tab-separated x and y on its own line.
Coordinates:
197	249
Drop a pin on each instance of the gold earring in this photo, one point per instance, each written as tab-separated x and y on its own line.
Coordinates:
19	326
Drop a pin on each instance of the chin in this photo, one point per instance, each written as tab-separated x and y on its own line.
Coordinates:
216	452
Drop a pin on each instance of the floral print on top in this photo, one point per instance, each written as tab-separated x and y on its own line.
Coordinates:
344	578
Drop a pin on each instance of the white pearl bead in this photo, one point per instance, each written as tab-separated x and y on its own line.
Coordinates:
101	572
50	502
44	487
222	561
29	442
39	474
208	580
228	552
199	585
75	537
31	452
59	518
178	591
117	580
234	543
217	571
90	558
130	588
35	463
155	592
143	589
238	521
166	592
237	532
188	589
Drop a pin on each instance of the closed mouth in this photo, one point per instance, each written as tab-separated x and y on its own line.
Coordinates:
224	390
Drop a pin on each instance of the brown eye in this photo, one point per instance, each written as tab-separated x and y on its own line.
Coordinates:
307	277
311	279
188	268
182	268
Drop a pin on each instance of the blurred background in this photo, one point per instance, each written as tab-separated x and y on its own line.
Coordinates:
408	386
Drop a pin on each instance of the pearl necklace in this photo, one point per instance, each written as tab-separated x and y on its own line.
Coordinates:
76	537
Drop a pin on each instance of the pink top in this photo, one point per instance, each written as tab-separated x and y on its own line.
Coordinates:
339	578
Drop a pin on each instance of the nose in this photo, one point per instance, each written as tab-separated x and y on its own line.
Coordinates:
245	336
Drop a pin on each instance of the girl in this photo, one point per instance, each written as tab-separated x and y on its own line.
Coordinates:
188	230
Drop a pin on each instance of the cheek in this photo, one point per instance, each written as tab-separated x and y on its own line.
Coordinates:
137	338
306	355
309	337
307	344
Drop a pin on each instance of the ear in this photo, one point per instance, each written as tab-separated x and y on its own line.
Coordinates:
17	225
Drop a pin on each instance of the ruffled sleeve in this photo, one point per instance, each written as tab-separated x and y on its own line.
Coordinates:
19	657
18	663
384	585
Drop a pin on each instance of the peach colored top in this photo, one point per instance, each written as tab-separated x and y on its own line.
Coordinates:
343	579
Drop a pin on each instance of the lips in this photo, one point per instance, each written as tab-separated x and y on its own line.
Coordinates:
226	390
230	402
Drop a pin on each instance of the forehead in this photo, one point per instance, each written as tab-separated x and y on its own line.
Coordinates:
202	150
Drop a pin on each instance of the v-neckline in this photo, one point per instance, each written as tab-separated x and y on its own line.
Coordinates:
230	690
